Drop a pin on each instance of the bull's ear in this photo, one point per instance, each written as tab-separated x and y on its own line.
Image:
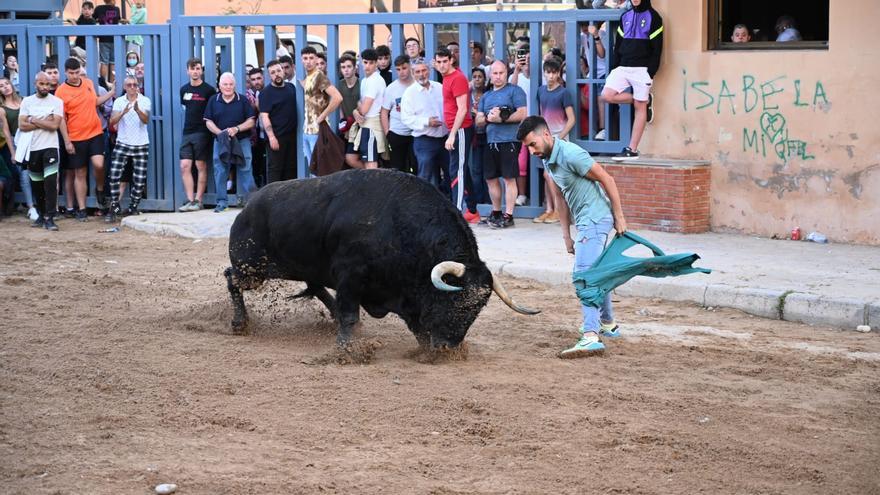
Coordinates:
442	268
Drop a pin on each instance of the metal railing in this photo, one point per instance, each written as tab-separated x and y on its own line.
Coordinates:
168	46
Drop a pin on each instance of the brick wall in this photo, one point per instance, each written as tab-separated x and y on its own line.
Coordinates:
668	196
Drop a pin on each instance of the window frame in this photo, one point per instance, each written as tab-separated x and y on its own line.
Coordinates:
717	42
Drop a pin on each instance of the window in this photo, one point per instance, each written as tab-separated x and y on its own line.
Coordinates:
767	21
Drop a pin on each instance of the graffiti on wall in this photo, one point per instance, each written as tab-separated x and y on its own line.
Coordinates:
769	100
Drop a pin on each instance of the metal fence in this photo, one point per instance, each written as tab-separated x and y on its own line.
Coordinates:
168	46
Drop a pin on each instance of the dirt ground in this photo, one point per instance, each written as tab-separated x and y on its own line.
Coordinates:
118	372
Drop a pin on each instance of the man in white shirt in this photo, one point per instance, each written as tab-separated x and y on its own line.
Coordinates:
131	114
369	140
399	135
40	116
421	109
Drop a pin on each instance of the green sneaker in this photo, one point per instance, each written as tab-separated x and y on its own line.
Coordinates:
588	345
609	330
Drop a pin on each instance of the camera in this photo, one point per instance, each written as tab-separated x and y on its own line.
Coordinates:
522	53
505	112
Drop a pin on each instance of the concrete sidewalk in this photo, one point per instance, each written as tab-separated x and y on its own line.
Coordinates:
823	284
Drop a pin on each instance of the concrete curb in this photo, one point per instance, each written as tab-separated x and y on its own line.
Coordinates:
775	304
789	305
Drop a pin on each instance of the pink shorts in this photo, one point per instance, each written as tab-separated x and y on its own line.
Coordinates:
622	78
524	161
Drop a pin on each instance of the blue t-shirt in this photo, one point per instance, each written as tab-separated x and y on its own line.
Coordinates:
568	166
552	105
226	115
280	104
510	95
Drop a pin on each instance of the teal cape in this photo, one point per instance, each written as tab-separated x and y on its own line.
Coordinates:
612	269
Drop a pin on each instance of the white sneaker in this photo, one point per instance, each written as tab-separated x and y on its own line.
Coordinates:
32	214
600	136
521	200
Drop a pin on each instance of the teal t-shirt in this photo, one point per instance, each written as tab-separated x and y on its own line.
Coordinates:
568	165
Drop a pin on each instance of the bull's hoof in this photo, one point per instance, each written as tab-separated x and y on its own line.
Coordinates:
240	328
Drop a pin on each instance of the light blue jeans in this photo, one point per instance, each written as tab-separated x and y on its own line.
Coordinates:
244	176
25	179
588	245
309	142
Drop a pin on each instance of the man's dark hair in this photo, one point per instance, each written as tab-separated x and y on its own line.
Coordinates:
442	53
478	69
533	123
346	58
401	60
72	64
412	39
524	39
285	59
308	50
49	66
451	43
553	65
556	52
322	56
369	54
273	63
193	62
88	4
479	46
351	53
255	70
383	51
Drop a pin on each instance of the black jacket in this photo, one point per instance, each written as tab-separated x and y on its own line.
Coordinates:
639	40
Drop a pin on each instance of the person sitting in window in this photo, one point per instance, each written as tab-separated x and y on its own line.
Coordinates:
741	34
787	30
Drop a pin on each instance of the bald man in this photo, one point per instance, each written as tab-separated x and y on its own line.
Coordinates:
38	121
228	116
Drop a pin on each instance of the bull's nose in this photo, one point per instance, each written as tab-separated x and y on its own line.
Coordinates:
443	343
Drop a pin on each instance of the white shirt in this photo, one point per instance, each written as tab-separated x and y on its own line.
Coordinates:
373	87
41	108
418	105
130	129
391	101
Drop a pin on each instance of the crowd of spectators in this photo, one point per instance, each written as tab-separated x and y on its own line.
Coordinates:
456	131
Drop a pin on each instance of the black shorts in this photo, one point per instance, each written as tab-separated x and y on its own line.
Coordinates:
84	151
43	163
368	148
502	160
197	146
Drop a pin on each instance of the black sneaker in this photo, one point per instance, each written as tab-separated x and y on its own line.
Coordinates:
506	221
50	224
496	221
112	213
131	210
69	213
101	197
40	222
650	107
626	154
82	216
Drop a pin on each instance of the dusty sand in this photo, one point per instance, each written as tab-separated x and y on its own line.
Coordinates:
118	372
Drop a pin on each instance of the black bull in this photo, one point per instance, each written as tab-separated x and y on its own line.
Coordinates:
382	239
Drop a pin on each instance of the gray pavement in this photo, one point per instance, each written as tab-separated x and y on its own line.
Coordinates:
834	285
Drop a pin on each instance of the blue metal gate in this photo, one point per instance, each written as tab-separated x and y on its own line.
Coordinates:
168	46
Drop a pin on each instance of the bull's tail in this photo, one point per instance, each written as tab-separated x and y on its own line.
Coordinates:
321	293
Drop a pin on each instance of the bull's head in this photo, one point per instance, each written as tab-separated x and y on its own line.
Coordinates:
477	284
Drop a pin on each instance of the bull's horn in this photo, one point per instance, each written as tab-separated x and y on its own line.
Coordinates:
442	268
502	293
